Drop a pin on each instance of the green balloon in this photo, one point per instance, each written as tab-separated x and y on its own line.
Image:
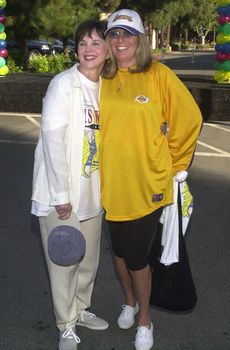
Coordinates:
2	62
226	66
2	27
219	28
226	28
218	65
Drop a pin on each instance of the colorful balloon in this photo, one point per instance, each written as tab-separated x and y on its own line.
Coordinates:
3	36
223	28
222	19
4	53
223	2
226	28
220	57
225	66
2	62
217	65
1	11
225	48
2	19
223	10
219	29
223	38
4	70
3	44
3	3
2	27
222	76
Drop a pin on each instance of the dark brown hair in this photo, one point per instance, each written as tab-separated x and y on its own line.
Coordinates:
86	28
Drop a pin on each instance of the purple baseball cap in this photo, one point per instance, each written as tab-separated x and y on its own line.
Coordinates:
66	243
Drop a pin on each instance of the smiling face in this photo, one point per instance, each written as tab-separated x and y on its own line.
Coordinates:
92	52
123	45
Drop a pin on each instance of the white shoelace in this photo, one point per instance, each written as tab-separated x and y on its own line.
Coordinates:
86	314
142	331
128	311
69	334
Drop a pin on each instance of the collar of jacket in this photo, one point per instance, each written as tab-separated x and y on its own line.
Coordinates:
75	81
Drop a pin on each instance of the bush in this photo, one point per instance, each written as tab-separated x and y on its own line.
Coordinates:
204	46
48	64
13	67
176	46
184	46
18	56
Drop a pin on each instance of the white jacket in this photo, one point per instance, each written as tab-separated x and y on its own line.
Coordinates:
58	155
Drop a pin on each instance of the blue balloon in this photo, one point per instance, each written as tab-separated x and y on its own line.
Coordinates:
218	47
225	48
1	11
223	10
3	44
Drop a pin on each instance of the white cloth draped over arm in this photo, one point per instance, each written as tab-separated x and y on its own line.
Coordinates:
169	220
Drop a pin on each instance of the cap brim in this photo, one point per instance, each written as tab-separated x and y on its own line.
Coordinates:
129	29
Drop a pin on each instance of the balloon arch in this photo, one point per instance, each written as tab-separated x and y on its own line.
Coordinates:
222	47
3	44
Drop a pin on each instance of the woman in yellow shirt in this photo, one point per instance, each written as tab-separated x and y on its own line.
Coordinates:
138	161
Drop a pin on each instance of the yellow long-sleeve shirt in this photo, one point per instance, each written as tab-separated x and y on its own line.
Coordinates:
138	161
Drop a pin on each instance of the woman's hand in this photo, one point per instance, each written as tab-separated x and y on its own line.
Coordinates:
63	210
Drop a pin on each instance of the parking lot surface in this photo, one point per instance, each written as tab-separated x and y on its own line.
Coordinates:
26	317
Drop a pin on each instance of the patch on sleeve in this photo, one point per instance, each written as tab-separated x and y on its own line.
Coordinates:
157	197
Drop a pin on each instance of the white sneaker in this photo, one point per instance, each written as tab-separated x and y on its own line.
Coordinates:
91	321
144	338
68	339
126	318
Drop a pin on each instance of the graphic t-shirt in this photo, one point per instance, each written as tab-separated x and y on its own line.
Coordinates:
90	205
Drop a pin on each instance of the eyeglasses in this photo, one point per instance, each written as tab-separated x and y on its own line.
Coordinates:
115	34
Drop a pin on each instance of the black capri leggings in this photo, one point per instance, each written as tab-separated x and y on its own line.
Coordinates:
132	240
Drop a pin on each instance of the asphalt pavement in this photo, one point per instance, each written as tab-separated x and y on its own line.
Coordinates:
26	316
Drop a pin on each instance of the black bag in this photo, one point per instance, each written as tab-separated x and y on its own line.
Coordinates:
173	288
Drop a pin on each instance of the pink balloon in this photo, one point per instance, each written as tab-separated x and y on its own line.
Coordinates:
222	19
222	56
2	19
3	53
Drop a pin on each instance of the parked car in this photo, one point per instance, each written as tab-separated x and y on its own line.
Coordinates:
59	46
34	47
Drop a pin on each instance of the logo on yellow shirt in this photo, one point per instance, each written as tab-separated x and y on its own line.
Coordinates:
142	99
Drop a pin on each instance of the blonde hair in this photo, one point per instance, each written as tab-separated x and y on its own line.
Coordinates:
143	58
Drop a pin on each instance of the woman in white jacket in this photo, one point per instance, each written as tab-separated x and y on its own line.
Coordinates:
66	178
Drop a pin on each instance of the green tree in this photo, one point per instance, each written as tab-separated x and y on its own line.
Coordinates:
57	19
160	14
203	17
22	19
47	18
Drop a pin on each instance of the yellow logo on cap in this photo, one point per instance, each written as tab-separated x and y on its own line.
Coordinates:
128	18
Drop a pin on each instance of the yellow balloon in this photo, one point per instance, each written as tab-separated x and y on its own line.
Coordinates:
3	36
4	70
222	77
3	3
223	38
223	2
